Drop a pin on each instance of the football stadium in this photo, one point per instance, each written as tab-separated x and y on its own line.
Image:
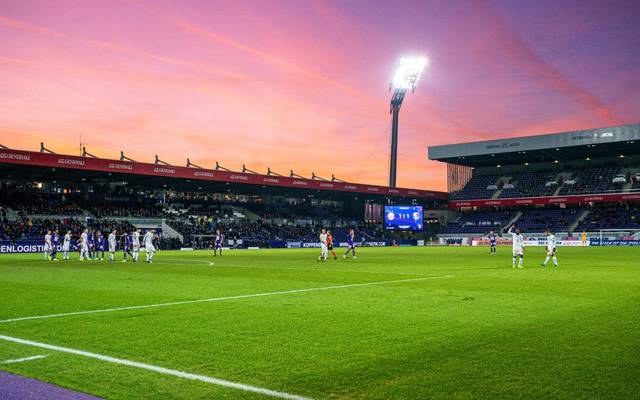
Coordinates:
142	262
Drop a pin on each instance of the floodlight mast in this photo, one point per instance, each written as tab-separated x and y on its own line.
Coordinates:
405	78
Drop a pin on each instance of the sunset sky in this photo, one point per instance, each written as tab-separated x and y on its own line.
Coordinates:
304	84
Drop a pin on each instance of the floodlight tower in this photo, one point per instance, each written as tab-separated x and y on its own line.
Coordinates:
405	78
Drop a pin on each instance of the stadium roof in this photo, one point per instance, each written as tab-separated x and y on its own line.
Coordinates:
60	166
564	146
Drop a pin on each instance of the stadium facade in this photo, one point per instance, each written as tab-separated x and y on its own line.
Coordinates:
570	182
501	172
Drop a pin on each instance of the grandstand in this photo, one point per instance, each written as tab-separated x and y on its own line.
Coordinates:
44	190
569	182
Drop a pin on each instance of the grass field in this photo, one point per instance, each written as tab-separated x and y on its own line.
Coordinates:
398	323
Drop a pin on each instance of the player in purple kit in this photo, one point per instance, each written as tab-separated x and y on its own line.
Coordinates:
351	245
55	240
99	246
126	247
90	243
218	245
493	241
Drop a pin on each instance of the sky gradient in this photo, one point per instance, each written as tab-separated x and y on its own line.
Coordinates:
303	85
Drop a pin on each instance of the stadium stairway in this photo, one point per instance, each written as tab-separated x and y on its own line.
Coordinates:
169	232
564	176
246	213
11	214
629	173
499	183
512	221
583	214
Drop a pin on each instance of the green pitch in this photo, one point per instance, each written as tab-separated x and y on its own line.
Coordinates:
398	323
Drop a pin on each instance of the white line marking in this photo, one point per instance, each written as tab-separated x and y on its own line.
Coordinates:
319	269
214	299
162	262
160	370
19	360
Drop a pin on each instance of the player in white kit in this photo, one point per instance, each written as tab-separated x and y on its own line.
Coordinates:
518	246
135	237
48	247
84	245
148	245
324	252
112	244
551	249
66	245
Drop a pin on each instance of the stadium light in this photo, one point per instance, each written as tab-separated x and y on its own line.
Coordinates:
408	72
405	77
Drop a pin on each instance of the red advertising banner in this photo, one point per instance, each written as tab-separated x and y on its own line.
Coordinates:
585	198
138	168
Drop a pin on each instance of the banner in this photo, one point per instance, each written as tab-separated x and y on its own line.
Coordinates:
316	245
24	246
543	242
571	199
613	242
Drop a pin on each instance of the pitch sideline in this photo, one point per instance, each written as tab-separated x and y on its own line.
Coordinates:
155	368
216	299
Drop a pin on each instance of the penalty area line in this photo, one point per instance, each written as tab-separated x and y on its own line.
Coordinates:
19	360
216	299
155	368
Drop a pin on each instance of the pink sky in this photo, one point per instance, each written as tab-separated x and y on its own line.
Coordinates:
304	84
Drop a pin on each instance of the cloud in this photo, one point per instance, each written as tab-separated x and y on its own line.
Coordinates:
11	23
544	73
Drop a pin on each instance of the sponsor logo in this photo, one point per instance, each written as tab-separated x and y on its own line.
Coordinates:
373	189
557	200
489	203
25	247
70	161
613	242
271	180
300	183
350	187
120	166
327	185
503	145
593	198
587	136
631	197
164	170
606	134
412	192
524	201
203	173
394	191
239	177
10	156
